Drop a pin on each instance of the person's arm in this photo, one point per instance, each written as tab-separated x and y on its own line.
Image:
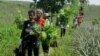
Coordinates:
23	31
22	34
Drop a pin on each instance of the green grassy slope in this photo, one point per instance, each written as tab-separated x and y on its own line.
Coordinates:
9	34
92	12
8	11
86	39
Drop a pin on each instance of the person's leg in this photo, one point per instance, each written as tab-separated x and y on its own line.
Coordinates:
79	23
54	43
36	47
24	47
45	49
76	26
30	49
64	32
61	33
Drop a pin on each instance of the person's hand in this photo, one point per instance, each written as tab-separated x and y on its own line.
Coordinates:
33	21
31	32
36	35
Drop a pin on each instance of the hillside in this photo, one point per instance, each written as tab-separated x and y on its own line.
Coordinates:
8	11
10	35
92	12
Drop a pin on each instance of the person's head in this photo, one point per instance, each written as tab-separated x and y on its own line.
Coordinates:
31	14
39	13
81	14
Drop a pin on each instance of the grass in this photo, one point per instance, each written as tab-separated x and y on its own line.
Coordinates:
70	45
64	46
10	35
92	12
86	40
9	40
8	11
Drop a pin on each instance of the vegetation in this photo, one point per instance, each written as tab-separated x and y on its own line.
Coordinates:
83	41
9	33
87	41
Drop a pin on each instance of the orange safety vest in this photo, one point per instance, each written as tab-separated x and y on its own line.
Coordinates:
41	21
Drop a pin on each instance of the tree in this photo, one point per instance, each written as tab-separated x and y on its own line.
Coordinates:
49	5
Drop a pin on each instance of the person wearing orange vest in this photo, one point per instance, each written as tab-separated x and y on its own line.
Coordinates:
41	21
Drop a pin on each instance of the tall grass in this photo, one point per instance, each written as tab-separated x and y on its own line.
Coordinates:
87	40
64	46
9	36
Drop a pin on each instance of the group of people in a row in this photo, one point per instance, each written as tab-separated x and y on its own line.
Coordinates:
30	42
79	18
76	22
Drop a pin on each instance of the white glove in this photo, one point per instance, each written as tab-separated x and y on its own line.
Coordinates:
27	30
30	31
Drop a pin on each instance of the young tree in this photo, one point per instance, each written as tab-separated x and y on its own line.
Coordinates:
50	5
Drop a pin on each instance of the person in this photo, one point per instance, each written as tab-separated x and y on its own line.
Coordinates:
75	22
28	40
63	30
62	27
79	18
81	15
41	19
45	46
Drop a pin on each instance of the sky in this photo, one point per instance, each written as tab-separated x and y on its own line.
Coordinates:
26	0
95	2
